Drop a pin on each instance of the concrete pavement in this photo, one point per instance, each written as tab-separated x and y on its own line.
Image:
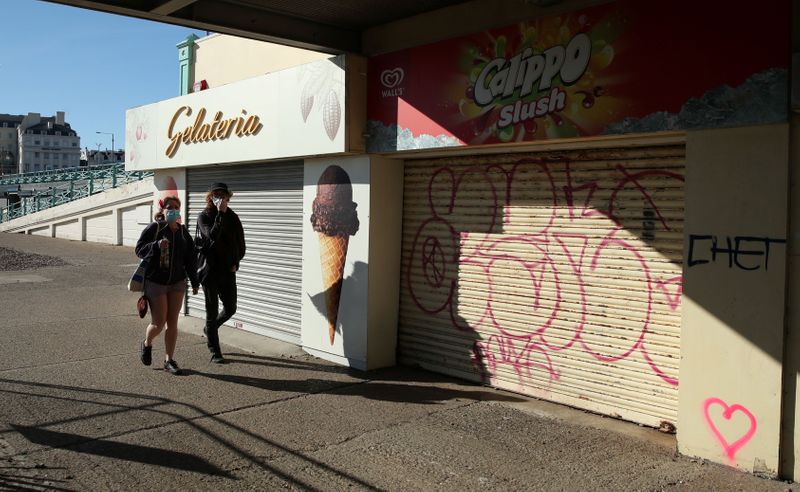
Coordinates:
78	411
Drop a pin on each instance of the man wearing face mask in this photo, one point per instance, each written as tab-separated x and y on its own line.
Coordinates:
220	237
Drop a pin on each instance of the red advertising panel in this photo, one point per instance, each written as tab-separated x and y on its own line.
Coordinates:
626	66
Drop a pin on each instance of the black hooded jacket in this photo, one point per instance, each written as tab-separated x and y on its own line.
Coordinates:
183	261
221	239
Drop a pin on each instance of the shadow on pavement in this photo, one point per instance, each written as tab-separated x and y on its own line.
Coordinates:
383	391
121	451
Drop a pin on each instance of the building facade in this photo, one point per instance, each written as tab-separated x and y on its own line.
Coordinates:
562	205
9	143
44	143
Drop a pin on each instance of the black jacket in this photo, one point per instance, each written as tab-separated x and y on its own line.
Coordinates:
221	240
183	261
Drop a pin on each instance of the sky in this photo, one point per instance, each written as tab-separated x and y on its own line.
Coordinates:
91	65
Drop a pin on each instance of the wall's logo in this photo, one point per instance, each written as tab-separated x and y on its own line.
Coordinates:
391	80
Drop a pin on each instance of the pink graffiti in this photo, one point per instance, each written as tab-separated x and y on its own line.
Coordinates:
555	264
673	298
730	448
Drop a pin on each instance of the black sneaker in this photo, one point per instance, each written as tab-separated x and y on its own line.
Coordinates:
145	353
172	367
217	358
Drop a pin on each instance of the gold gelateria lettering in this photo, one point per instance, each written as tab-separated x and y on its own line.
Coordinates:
199	131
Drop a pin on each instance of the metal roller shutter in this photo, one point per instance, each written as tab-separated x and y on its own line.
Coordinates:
269	200
555	274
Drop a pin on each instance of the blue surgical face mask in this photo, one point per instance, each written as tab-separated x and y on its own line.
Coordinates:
172	215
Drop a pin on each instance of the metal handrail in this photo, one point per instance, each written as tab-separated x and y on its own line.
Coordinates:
89	184
58	175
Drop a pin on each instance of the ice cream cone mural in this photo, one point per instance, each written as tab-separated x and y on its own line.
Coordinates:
334	218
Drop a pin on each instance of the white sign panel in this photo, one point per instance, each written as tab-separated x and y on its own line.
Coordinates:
294	112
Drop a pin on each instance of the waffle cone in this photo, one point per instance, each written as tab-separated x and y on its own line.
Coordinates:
332	254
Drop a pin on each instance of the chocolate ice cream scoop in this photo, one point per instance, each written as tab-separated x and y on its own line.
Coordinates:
333	210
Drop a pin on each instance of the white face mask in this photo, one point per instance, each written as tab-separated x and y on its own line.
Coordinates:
216	201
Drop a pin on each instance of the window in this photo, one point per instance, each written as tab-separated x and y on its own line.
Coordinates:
36	154
74	144
47	143
64	157
37	142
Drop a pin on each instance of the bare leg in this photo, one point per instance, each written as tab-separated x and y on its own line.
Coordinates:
158	317
174	305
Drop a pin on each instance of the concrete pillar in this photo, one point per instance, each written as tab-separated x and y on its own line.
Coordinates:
82	221
116	236
733	296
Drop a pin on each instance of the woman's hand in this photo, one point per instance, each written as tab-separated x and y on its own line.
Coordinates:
194	291
164	243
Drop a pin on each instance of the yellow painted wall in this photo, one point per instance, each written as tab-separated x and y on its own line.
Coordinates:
221	59
732	330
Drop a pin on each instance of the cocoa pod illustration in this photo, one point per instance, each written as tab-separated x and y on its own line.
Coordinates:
331	114
306	103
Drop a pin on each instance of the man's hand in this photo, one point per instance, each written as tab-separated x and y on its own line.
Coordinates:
194	291
234	269
164	243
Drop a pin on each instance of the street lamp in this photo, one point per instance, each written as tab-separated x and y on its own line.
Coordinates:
113	155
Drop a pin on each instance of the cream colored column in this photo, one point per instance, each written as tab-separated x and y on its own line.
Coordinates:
733	298
790	442
385	250
790	449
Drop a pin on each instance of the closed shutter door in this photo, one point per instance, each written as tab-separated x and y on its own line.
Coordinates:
555	274
268	198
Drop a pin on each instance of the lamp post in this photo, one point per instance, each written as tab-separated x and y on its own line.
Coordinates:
113	154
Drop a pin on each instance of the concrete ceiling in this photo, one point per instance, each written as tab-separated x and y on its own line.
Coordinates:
334	26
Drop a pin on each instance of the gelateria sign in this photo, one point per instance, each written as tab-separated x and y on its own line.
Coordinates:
296	112
199	131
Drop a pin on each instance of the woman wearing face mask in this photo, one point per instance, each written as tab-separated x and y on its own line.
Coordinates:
221	238
169	249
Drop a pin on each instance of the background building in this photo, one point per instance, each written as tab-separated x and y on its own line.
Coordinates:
9	143
45	143
98	157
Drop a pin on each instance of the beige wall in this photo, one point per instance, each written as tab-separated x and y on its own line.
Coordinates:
385	244
733	324
221	59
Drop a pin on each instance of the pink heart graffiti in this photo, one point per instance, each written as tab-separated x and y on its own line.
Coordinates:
730	448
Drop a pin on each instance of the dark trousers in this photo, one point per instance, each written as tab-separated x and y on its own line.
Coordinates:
218	286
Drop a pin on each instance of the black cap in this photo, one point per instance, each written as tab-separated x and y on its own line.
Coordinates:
219	187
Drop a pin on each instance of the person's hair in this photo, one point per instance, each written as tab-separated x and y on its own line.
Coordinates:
162	205
210	195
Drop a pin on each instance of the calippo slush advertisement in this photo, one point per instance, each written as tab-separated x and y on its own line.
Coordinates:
622	67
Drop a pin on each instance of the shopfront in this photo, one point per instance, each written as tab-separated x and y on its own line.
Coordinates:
563	217
289	145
